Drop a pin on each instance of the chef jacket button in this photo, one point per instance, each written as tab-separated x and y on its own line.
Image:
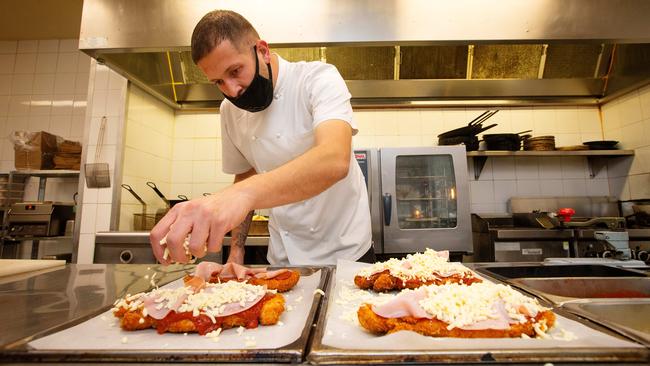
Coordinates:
311	229
277	135
286	233
254	138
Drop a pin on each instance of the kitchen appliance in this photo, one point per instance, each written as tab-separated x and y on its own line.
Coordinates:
502	238
419	198
34	219
597	231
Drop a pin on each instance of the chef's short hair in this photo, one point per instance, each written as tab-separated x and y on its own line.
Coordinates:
218	26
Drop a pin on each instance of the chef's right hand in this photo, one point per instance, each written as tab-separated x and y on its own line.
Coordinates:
207	219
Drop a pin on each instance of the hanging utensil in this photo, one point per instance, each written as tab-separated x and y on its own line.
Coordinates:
96	173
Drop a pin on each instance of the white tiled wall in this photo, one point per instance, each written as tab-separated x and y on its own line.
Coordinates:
501	178
197	155
197	150
43	87
149	143
627	119
107	98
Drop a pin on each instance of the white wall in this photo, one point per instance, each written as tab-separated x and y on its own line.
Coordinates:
627	119
197	139
197	155
501	178
107	98
149	143
43	87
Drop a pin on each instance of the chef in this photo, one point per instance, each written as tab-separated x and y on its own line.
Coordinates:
286	132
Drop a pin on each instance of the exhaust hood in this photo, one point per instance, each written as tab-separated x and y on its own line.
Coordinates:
395	53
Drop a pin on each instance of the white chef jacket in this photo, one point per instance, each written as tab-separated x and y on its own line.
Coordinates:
319	230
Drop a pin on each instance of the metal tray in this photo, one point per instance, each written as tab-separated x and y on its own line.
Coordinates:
562	290
20	351
628	317
457	353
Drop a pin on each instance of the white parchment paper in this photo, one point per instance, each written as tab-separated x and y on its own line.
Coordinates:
104	333
342	327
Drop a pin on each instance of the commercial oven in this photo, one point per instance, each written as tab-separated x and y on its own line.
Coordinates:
419	198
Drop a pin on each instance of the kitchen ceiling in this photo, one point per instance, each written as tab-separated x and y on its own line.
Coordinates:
510	53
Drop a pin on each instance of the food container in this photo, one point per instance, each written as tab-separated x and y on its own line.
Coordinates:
259	226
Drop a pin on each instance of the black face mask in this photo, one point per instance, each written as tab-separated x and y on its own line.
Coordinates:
259	94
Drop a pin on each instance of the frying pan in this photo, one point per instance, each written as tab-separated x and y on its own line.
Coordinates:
601	145
504	141
473	128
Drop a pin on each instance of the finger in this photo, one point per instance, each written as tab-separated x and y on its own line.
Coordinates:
200	232
158	233
215	239
176	238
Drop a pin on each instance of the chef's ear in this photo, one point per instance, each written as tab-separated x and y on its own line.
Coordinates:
264	49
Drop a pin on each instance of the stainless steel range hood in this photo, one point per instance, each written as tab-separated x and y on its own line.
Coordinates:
395	52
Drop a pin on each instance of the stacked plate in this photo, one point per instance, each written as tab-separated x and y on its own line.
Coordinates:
540	143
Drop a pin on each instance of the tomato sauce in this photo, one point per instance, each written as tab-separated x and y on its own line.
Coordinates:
204	324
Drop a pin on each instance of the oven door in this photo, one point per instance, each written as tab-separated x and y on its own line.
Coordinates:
425	199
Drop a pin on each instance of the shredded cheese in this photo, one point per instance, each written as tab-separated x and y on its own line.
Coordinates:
460	306
422	266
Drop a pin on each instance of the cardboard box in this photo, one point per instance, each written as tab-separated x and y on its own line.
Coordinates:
36	151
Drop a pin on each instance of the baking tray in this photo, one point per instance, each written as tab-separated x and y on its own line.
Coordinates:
31	349
593	344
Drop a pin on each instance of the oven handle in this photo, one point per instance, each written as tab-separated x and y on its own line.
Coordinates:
388	204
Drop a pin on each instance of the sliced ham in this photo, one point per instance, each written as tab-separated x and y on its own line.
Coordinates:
271	274
239	272
405	304
231	271
154	308
443	254
205	269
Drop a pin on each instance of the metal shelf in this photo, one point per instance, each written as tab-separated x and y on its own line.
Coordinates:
40	238
43	175
595	158
47	173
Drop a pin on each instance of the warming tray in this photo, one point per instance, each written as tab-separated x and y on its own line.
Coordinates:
338	341
96	341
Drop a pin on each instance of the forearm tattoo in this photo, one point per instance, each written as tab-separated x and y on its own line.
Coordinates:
242	232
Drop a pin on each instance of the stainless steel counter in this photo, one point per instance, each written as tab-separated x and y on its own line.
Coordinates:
37	305
142	237
133	247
